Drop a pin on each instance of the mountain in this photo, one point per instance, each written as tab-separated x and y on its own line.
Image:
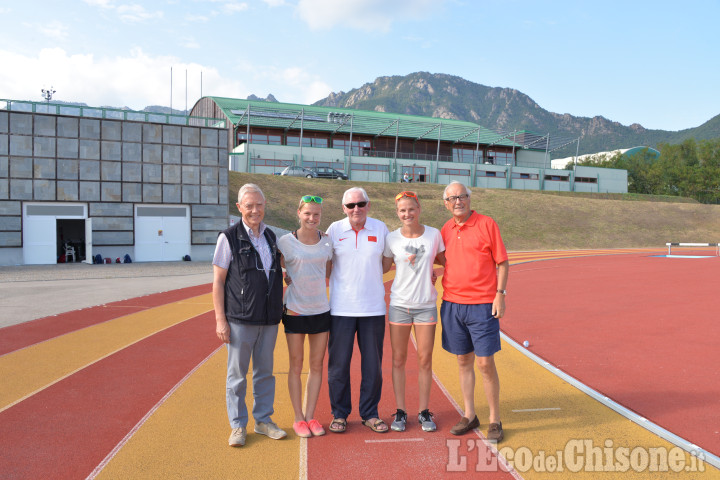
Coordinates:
503	109
161	109
269	98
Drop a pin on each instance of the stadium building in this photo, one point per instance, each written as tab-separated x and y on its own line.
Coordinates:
266	137
76	182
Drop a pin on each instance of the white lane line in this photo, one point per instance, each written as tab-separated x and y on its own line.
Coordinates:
303	466
145	418
677	440
492	446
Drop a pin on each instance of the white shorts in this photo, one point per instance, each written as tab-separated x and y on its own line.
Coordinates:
412	316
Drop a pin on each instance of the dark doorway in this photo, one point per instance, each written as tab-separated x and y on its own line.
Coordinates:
70	240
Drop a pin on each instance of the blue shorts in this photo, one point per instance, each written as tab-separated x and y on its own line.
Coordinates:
467	328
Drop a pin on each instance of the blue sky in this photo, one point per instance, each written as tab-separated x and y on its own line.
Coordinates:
652	63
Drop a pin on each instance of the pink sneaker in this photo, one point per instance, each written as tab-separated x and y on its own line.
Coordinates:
301	429
316	428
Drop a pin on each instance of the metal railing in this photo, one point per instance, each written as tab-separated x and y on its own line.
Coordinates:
108	113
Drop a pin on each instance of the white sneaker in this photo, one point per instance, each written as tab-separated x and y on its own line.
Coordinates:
426	420
237	437
270	429
399	420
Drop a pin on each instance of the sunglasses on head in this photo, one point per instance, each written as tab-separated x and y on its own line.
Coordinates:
351	206
311	198
406	194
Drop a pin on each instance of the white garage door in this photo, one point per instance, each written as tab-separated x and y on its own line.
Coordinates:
40	244
162	233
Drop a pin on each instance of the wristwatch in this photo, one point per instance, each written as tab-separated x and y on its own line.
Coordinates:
504	292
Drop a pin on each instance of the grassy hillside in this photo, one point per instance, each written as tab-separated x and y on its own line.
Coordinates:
528	220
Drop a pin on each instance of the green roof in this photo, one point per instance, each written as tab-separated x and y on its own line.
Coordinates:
361	122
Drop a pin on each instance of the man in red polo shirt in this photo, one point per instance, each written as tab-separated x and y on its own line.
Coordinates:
476	272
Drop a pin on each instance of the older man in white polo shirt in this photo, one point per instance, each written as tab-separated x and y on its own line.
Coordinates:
357	307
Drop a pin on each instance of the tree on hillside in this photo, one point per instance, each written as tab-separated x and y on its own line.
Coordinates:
689	169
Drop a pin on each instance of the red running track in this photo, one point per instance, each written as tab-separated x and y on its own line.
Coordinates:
640	329
412	453
67	429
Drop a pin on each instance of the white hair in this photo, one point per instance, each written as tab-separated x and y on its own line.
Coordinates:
353	190
455	182
249	188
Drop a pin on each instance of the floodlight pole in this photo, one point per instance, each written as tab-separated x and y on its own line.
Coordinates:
577	152
47	94
302	120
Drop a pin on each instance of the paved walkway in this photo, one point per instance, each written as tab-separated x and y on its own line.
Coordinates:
28	292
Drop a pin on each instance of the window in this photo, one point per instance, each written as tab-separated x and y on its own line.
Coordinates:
259	138
525	176
556	178
586	180
270	162
369	167
307	141
453	171
359	147
489	173
499	157
464	155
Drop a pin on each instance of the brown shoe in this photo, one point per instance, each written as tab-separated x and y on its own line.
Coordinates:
495	432
465	425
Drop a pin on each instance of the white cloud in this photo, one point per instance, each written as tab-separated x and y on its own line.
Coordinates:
290	85
131	13
52	29
189	42
99	3
365	15
275	3
197	18
136	13
136	80
234	7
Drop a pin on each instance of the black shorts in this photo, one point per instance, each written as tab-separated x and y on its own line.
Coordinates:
309	324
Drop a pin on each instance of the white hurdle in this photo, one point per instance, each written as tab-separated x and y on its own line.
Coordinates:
677	244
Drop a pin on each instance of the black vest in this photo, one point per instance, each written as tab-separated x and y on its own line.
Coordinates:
250	297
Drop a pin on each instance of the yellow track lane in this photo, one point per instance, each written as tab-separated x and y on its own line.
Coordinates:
34	368
187	436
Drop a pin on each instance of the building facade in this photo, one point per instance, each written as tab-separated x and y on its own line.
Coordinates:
76	182
265	137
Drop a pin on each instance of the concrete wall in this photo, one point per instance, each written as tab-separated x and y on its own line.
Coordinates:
110	165
532	159
608	180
